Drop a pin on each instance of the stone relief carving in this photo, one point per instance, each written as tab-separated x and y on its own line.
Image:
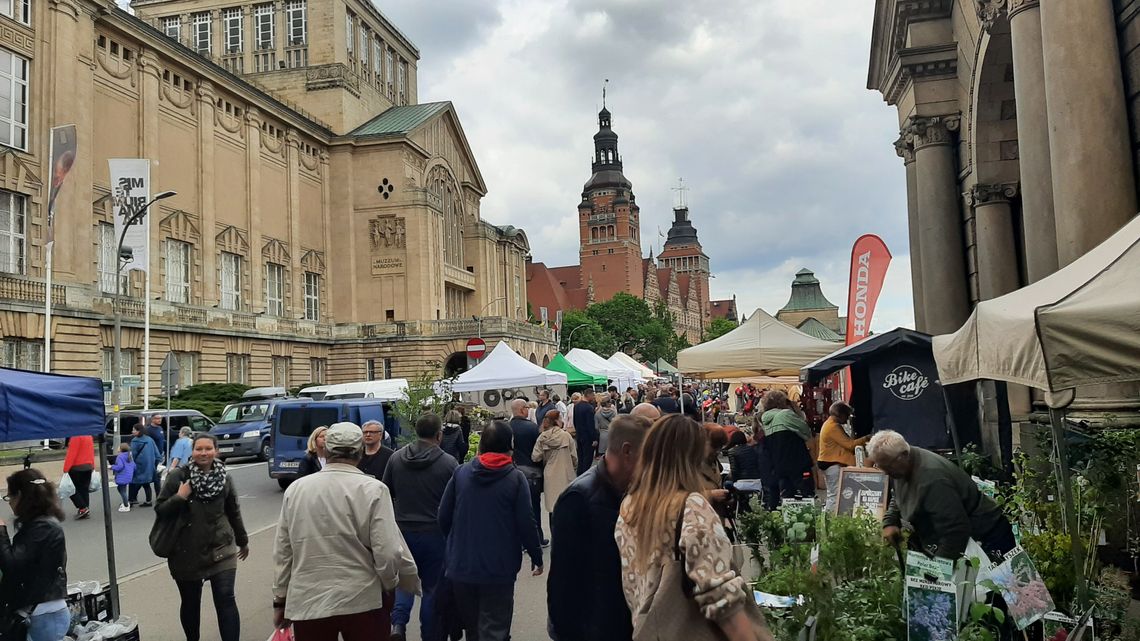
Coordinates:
989	12
387	232
980	195
935	130
904	147
1017	6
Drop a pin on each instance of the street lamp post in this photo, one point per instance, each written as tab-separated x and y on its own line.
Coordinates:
112	571
570	337
479	319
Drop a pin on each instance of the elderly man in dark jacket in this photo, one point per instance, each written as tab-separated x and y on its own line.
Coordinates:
584	593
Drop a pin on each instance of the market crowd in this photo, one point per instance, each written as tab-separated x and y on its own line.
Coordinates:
631	483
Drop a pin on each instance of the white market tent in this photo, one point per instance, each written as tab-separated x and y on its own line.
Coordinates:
1077	326
502	369
762	346
591	363
627	361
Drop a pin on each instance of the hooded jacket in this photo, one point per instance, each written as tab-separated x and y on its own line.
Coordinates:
776	421
485	514
416	476
455	441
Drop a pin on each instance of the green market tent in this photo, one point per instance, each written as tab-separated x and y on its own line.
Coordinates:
664	368
574	376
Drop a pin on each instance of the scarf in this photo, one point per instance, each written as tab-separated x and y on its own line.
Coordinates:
208	485
494	460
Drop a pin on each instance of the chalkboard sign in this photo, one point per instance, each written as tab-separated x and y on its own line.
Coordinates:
862	488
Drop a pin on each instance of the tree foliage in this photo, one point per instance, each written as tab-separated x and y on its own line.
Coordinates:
624	323
717	328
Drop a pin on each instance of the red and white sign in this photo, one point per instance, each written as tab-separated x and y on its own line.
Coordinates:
869	261
476	348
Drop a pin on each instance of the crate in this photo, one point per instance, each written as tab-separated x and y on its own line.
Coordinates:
97	606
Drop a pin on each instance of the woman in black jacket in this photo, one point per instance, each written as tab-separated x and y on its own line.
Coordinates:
314	460
211	538
34	562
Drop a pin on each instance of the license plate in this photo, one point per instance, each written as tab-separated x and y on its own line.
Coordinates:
225	450
290	464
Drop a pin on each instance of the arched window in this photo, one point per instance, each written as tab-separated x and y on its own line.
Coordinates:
445	196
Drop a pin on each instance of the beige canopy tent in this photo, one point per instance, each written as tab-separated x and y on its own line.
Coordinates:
762	346
1078	326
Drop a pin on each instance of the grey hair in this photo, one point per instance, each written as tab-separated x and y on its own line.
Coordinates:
887	444
372	422
184	432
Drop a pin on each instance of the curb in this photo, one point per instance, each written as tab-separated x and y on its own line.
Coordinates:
151	569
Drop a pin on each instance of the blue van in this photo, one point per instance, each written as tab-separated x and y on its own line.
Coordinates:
294	420
243	429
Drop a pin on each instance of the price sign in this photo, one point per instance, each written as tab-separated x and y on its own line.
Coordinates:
862	489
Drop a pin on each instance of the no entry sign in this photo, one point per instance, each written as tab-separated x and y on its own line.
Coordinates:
476	348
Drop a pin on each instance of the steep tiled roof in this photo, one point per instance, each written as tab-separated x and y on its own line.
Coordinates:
664	277
400	120
683	282
806	294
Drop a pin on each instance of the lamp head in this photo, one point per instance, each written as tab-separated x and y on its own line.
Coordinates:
165	194
126	253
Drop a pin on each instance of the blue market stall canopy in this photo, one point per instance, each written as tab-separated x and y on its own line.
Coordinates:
35	406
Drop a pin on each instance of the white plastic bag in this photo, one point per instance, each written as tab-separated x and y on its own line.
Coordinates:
65	489
96	483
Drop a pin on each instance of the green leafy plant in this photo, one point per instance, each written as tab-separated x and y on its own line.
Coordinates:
208	398
423	396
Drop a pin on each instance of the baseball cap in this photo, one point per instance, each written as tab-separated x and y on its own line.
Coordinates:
344	439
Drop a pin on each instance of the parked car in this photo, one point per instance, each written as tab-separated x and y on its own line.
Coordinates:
173	421
243	429
295	419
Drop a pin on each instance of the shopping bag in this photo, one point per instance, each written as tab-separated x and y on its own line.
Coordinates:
65	489
96	483
281	634
164	534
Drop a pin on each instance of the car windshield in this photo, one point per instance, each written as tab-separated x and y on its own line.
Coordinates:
245	412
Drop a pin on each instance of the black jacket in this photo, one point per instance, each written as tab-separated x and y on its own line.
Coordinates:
584	594
744	462
212	533
455	441
308	465
416	476
526	435
374	464
34	564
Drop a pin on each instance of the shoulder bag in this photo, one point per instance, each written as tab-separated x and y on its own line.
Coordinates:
164	533
674	613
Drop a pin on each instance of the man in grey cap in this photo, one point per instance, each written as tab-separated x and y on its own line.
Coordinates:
338	555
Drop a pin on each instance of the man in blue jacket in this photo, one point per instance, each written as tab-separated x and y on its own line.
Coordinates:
485	514
585	430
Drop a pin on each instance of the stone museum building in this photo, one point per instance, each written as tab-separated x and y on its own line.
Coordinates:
326	226
609	251
1018	130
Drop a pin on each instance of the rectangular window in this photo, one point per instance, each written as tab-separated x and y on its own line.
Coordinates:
177	271
18	10
172	27
297	19
312	296
23	354
13	232
274	289
280	374
126	368
365	36
231	282
378	60
317	370
108	245
518	291
387	368
232	27
349	33
390	71
370	369
13	100
401	72
237	368
187	368
264	22
202	33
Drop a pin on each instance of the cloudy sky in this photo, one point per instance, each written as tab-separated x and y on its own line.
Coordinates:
759	105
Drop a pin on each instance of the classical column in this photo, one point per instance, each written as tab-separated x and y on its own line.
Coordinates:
905	149
206	196
150	79
1094	190
995	246
1038	225
945	301
293	213
256	302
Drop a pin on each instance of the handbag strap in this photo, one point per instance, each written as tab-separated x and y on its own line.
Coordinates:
687	584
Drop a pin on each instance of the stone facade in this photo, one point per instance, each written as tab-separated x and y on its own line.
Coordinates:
609	254
1014	128
358	210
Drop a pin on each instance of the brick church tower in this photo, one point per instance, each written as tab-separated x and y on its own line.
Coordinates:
683	253
608	224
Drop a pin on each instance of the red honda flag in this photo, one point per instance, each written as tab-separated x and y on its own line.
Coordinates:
869	261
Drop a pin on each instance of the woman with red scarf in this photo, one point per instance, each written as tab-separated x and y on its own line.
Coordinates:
486	515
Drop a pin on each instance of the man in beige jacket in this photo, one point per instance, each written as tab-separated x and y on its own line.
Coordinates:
338	555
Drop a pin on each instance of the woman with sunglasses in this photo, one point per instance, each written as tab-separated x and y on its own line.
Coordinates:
34	562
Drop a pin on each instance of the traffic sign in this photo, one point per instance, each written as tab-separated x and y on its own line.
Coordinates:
130	380
170	374
476	348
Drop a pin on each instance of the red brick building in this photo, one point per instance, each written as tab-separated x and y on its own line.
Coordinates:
609	253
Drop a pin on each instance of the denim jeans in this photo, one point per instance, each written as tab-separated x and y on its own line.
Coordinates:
124	492
52	626
427	549
225	603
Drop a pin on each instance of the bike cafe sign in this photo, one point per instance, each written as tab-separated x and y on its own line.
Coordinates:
906	382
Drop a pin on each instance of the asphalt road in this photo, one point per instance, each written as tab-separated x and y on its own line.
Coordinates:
149	595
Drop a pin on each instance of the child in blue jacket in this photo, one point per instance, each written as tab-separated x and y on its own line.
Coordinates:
124	470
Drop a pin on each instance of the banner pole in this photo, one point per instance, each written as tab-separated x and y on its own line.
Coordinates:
47	308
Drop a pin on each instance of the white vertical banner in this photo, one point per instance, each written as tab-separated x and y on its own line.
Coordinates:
130	193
